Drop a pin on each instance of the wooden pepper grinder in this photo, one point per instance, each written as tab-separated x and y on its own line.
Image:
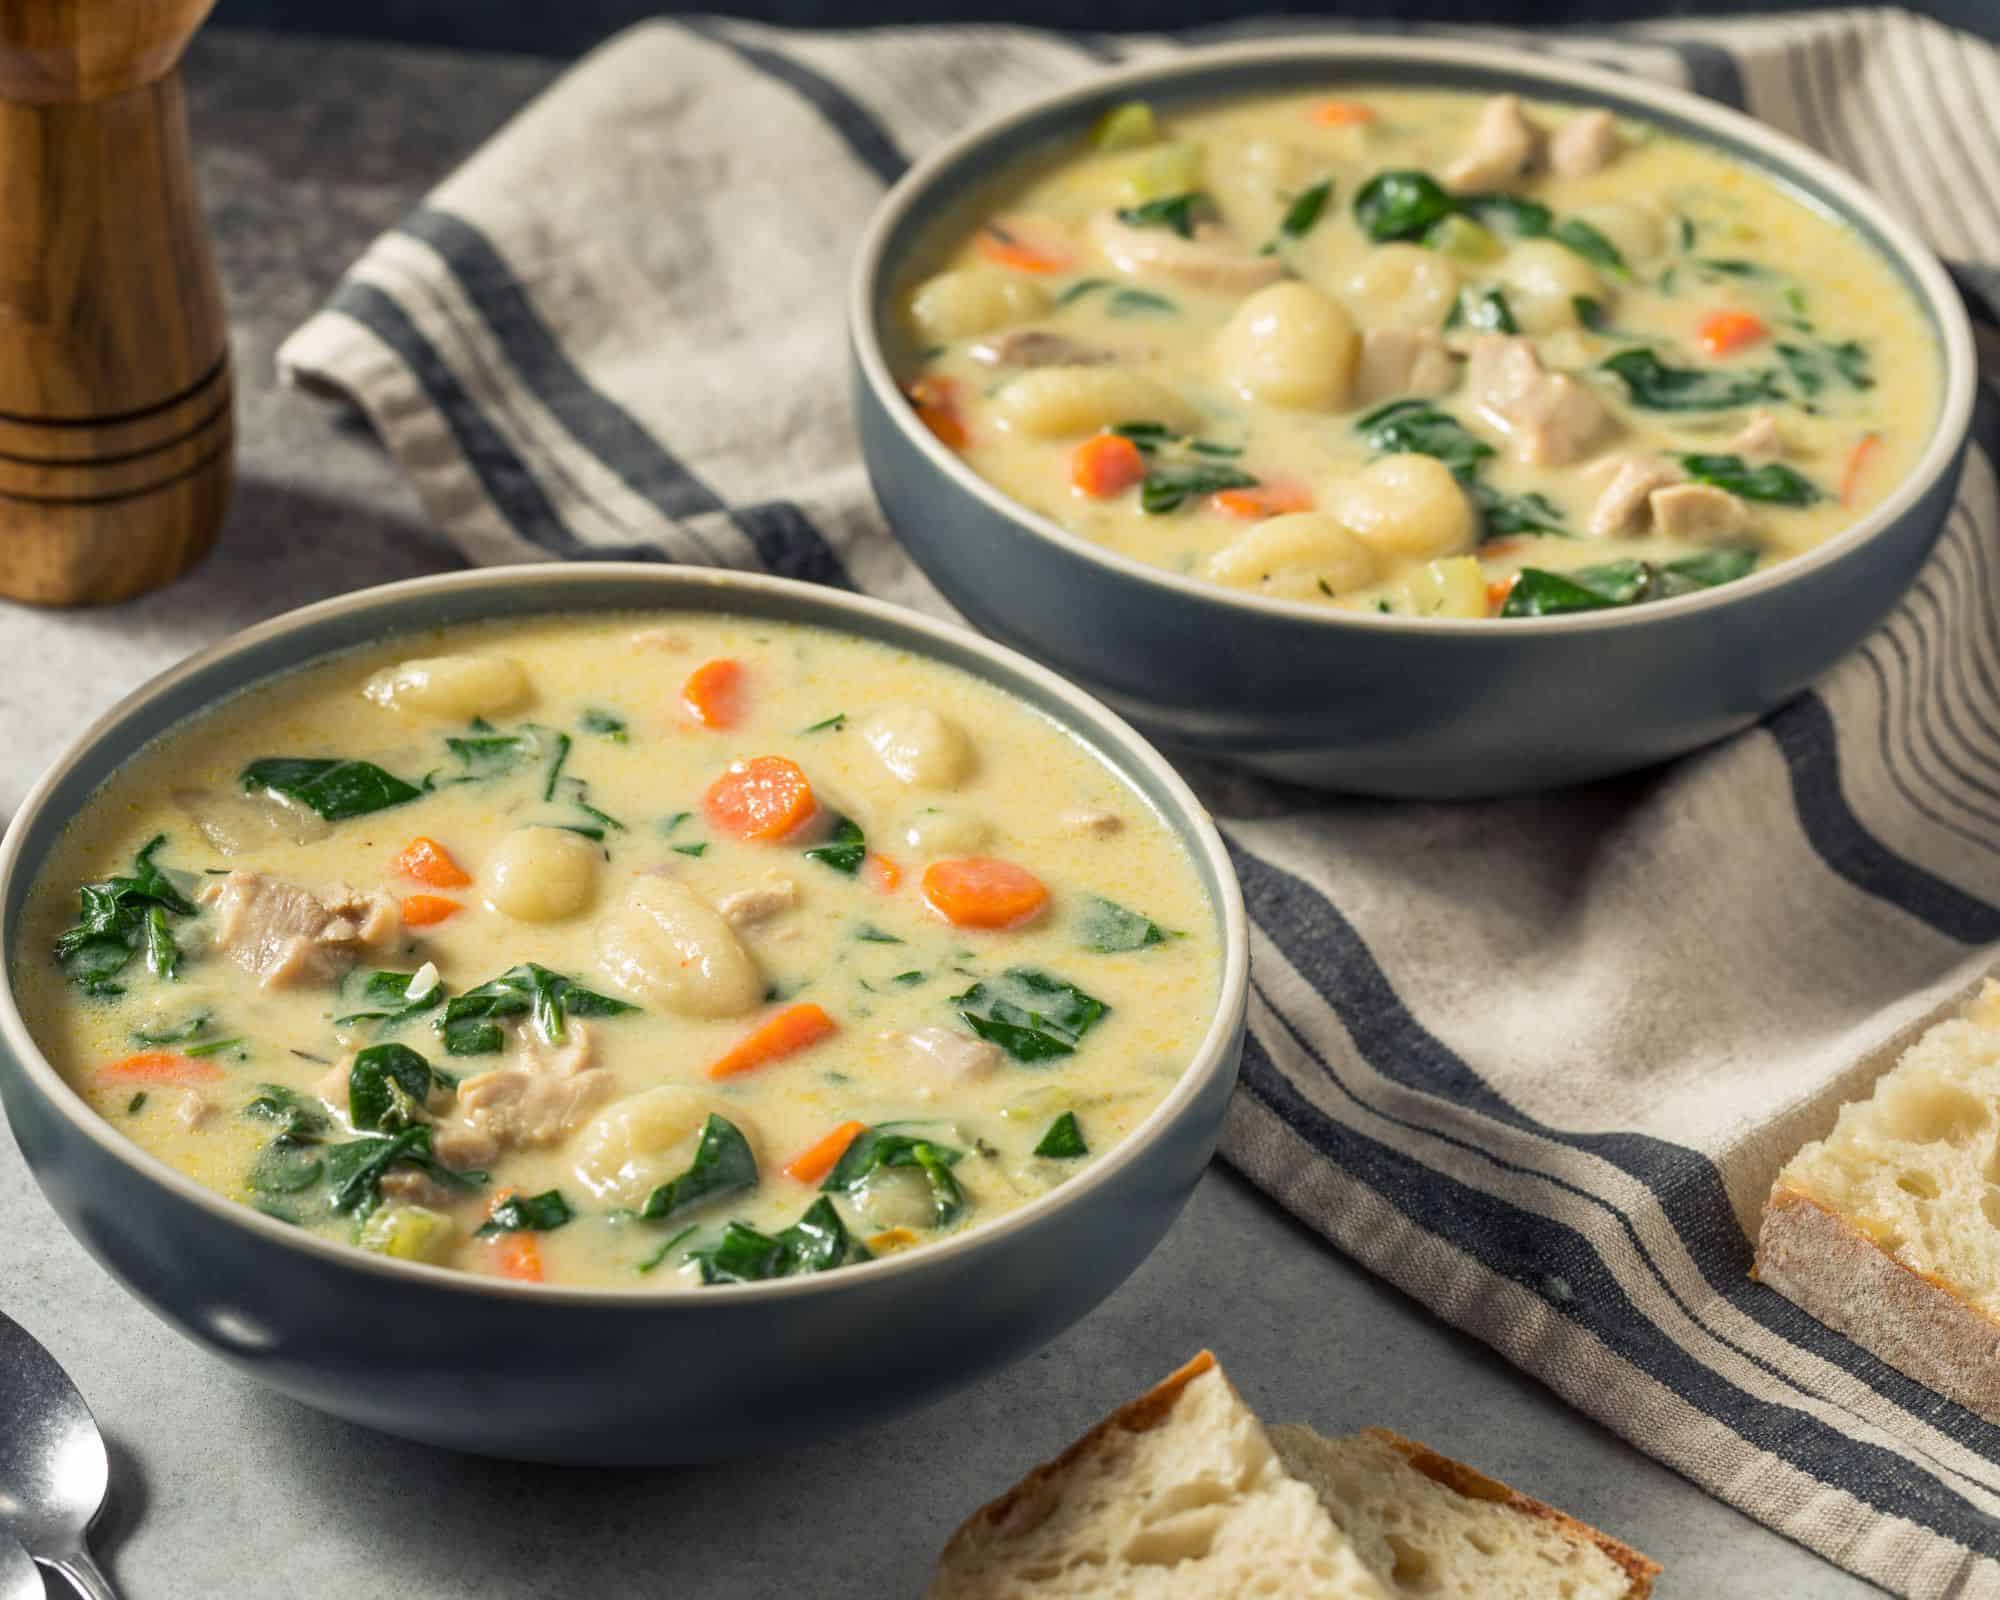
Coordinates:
116	425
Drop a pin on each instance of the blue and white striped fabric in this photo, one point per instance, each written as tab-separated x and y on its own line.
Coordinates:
1535	1061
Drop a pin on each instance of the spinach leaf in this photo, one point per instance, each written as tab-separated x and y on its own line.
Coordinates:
335	789
535	1213
1148	436
210	1047
878	1150
298	1118
818	1241
354	1171
193	1028
1537	593
1712	567
870	934
1108	927
1080	288
1734	268
1590	312
1064	1140
1813	367
1573	233
286	1165
556	760
391	993
1302	214
845	851
1030	1014
1138	302
1400	205
667	1246
1659	387
1417	426
1504	514
723	1164
700	849
1170	485
1773	482
387	1086
606	725
832	724
118	918
1175	211
1510	214
1488	312
471	1021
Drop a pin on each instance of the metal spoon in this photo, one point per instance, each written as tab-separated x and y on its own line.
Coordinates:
20	1579
53	1469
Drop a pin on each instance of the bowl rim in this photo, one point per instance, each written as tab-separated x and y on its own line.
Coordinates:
1779	156
665	587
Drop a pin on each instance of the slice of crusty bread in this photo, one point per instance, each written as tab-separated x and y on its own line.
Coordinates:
1430	1526
1888	1229
1176	1496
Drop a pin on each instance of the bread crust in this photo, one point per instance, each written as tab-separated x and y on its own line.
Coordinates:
1135	1416
1475	1485
1913	1320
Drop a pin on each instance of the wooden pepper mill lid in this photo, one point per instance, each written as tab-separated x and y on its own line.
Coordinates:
116	407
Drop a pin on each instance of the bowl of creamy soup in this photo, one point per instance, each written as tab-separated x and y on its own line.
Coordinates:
1414	418
616	1013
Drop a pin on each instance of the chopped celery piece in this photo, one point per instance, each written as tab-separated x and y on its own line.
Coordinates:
1169	169
409	1233
1125	127
1462	239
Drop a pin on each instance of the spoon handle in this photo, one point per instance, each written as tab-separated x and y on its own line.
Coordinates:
82	1575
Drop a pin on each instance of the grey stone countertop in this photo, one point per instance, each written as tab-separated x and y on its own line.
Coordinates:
220	1488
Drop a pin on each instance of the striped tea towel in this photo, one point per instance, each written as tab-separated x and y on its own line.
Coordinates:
1533	1061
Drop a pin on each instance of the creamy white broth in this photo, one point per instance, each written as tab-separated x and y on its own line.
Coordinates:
993	779
1054	310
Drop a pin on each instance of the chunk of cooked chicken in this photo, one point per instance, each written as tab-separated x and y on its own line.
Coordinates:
957	1056
1038	347
1698	511
1622	507
1211	260
744	908
1091	823
1505	144
1587	143
517	1108
1549	419
282	934
1759	438
1396	362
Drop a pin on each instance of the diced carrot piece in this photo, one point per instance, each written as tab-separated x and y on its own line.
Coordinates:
1106	464
160	1066
1857	464
1497	592
426	910
1264	500
765	797
1723	333
1500	547
790	1031
886	874
713	693
1342	113
518	1255
429	862
818	1158
980	892
1006	244
935	398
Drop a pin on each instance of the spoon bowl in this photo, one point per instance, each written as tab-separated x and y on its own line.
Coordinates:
20	1578
54	1471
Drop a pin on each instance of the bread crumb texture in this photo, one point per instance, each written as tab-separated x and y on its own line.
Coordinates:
1916	1166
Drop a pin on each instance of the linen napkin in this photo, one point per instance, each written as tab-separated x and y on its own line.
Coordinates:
1533	1061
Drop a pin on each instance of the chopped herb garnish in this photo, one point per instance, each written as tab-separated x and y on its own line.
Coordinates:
534	1213
1108	927
691	849
212	1047
868	933
117	919
845	851
136	1104
556	761
335	789
1030	1014
605	725
1064	1140
1080	288
832	724
675	821
1138	302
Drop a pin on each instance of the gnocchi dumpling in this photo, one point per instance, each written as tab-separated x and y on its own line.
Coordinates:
1289	345
937	832
665	944
1303	556
1406	508
971	301
1057	401
647	1139
541	875
459	687
918	746
1543	281
1402	286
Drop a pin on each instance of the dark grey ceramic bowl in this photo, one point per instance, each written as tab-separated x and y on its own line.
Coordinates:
1384	704
603	1376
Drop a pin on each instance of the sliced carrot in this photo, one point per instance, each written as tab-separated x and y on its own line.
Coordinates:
980	892
1342	113
1007	244
936	401
1857	464
518	1255
1264	500
818	1158
789	1032
160	1066
765	797
886	874
713	693
1497	592
1723	333
1105	465
426	910
429	862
